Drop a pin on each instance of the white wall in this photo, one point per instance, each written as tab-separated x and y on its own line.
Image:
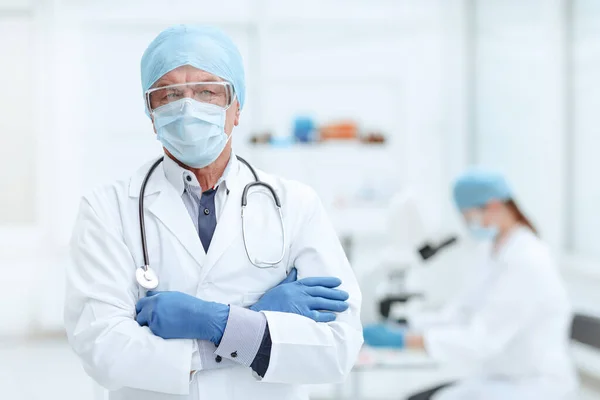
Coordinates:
20	184
529	55
586	138
519	103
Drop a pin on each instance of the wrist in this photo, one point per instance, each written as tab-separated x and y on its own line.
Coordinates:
414	341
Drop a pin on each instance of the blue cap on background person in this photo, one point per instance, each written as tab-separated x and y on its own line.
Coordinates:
477	187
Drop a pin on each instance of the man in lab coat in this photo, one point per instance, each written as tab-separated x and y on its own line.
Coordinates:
217	325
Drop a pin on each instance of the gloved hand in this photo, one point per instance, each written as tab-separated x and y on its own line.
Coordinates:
313	297
381	335
176	315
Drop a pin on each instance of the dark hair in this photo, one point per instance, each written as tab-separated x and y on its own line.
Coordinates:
521	218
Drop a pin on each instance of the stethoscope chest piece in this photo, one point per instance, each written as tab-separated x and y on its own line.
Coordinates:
146	278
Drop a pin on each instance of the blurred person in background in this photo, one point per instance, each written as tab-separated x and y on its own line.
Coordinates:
215	323
512	323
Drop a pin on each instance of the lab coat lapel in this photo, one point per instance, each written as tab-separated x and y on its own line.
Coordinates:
229	227
170	210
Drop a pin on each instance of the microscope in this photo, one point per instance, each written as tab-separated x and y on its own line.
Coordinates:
409	247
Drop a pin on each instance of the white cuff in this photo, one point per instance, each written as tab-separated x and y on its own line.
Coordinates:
243	335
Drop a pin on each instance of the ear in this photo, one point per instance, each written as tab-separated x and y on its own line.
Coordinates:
236	121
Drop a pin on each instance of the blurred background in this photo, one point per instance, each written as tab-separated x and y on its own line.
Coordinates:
373	103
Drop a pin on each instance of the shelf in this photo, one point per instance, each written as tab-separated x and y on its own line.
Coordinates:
353	180
338	157
340	146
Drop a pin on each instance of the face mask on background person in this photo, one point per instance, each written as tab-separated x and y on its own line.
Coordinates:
481	232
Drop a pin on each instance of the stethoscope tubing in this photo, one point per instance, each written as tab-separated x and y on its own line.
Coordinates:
244	202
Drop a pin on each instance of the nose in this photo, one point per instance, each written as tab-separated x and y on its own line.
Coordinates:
187	102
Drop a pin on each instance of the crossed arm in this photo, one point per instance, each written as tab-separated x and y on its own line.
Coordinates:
176	315
115	350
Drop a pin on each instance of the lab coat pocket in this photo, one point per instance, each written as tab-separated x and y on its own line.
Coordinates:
251	298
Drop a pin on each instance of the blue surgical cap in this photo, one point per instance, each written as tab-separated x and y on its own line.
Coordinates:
203	47
477	187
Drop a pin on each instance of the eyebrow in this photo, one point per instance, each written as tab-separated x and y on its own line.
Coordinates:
213	79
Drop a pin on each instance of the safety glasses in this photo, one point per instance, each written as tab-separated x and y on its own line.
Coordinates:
217	93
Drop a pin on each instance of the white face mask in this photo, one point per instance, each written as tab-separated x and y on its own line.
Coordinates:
479	232
193	132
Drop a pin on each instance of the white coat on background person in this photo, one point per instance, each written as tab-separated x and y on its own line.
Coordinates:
511	325
100	308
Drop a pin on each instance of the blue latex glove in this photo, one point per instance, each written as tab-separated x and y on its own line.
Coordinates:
381	335
176	315
313	297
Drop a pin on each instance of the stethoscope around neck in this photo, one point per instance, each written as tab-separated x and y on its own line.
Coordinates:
147	278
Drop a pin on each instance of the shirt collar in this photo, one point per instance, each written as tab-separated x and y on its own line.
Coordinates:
180	177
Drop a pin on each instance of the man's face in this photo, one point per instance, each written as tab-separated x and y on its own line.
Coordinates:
188	74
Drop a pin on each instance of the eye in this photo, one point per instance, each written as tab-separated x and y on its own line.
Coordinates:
173	94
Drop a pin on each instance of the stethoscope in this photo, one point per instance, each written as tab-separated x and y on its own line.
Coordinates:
148	279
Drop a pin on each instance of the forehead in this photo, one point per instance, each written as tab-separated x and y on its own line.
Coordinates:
185	74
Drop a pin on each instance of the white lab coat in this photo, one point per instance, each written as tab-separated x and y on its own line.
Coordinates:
511	326
102	291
